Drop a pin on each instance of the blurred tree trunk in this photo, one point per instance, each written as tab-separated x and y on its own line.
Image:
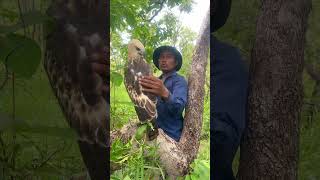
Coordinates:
270	146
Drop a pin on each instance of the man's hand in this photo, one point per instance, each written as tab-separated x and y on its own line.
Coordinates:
100	66
154	85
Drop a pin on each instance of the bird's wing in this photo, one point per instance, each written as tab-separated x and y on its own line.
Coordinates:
68	50
145	104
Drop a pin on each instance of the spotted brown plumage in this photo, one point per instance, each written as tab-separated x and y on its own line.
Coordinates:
145	103
78	40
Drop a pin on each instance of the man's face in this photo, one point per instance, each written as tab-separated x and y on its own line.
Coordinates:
167	63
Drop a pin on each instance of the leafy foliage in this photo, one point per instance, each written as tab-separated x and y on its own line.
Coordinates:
137	159
35	141
20	54
200	170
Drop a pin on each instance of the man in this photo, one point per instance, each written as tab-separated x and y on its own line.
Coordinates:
170	88
229	93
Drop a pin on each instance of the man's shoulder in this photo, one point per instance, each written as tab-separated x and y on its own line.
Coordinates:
223	49
181	78
227	58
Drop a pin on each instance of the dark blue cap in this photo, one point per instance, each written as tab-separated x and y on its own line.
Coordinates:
173	50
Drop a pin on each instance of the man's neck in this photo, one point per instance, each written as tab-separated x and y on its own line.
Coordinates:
165	75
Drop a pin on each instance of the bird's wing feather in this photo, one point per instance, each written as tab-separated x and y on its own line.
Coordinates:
78	35
145	104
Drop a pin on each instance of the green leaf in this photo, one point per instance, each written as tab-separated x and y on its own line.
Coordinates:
23	54
125	158
118	150
116	78
6	46
140	131
29	18
127	178
188	177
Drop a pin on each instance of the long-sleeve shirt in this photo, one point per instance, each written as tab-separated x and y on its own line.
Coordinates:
229	89
170	118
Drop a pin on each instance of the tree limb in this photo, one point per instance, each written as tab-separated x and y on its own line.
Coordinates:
124	134
158	11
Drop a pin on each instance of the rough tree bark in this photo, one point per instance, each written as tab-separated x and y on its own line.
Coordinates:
190	138
269	149
176	157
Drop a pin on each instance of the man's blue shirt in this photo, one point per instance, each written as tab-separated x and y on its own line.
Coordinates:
170	118
229	93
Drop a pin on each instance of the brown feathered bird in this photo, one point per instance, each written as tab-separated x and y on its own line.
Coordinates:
79	39
137	66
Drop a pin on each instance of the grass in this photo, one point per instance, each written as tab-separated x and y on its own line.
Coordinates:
36	105
122	109
310	152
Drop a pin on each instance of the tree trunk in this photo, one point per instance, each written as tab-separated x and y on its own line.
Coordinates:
270	145
176	157
190	138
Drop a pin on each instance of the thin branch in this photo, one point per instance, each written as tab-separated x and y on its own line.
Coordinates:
45	161
158	11
34	144
13	98
140	14
2	145
50	156
22	20
13	160
6	74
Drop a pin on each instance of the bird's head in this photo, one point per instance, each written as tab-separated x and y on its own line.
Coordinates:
135	49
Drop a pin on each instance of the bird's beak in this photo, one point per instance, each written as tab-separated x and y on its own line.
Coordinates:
143	53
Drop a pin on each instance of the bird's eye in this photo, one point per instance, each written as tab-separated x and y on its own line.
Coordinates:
138	49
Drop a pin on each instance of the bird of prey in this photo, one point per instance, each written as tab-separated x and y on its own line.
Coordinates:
79	39
136	66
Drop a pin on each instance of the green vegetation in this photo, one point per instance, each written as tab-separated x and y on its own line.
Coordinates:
134	21
35	140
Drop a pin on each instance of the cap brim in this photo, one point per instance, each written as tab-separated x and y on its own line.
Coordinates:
220	15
